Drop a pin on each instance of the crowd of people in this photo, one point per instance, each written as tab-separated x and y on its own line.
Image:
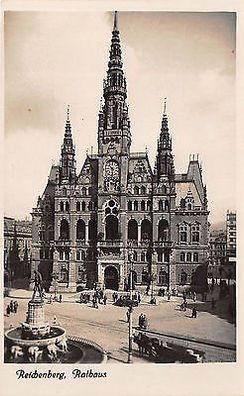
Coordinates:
12	307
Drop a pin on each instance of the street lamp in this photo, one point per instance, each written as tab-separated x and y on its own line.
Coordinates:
130	311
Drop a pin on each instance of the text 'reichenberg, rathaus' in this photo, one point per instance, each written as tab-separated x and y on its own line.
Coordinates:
87	224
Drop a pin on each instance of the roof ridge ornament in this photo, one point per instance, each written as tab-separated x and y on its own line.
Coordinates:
115	21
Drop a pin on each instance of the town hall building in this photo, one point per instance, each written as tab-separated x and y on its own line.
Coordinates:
117	216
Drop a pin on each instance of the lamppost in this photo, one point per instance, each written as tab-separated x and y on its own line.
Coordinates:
130	309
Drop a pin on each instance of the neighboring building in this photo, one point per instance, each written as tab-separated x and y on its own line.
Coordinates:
231	241
87	225
17	248
217	252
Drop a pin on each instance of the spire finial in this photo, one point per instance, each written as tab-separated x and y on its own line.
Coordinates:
165	105
68	109
115	21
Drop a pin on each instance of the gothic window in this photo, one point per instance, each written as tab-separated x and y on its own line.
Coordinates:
182	203
83	191
183	278
195	233
166	257
64	229
149	205
61	206
92	230
64	274
135	256
163	278
143	205
189	206
135	205
188	256
143	257
78	255
143	190
90	206
166	203
182	257
148	257
83	206
78	206
41	254
183	233
67	206
146	230
160	205
163	230
90	190
163	189
50	233
111	227
80	229
61	255
132	229
195	257
83	255
136	190
160	257
129	206
66	255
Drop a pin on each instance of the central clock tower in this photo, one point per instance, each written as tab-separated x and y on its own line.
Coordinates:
114	138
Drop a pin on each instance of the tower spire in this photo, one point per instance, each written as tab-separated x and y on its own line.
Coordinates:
165	106
115	21
68	171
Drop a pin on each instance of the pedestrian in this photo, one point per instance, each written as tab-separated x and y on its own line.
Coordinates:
194	296
16	306
194	313
60	298
163	292
145	322
140	320
8	310
128	316
168	295
105	299
147	291
139	297
50	299
11	306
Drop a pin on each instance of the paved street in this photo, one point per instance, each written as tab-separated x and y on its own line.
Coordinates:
107	325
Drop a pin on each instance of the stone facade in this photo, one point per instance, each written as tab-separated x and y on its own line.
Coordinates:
91	227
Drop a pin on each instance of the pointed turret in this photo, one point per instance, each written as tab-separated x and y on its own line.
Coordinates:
67	164
164	162
113	114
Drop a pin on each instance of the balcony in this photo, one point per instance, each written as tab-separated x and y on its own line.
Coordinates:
62	242
163	244
110	243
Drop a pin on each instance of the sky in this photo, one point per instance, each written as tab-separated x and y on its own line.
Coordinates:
55	59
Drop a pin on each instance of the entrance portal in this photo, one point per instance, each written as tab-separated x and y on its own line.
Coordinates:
111	278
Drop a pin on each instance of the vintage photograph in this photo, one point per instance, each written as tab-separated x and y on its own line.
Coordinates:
119	190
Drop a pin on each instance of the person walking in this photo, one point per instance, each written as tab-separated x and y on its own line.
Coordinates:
168	295
16	306
194	313
194	296
11	306
140	320
105	299
8	310
128	316
139	297
60	298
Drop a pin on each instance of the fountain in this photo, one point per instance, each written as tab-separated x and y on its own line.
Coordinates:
38	342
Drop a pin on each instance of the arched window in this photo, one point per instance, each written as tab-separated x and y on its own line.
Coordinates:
66	254
189	206
182	203
90	190
83	255
135	205
64	274
188	256
111	227
61	255
163	189
149	205
64	192
146	230
163	230
136	190
61	206
135	256
90	206
163	278
160	205
182	256
183	233
78	255
195	257
83	191
80	229
50	233
67	206
132	229
160	257
143	257
183	277
83	206
78	206
195	233
92	230
166	204
143	190
64	229
166	257
143	205
129	206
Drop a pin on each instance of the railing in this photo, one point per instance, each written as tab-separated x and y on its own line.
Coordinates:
110	243
163	244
